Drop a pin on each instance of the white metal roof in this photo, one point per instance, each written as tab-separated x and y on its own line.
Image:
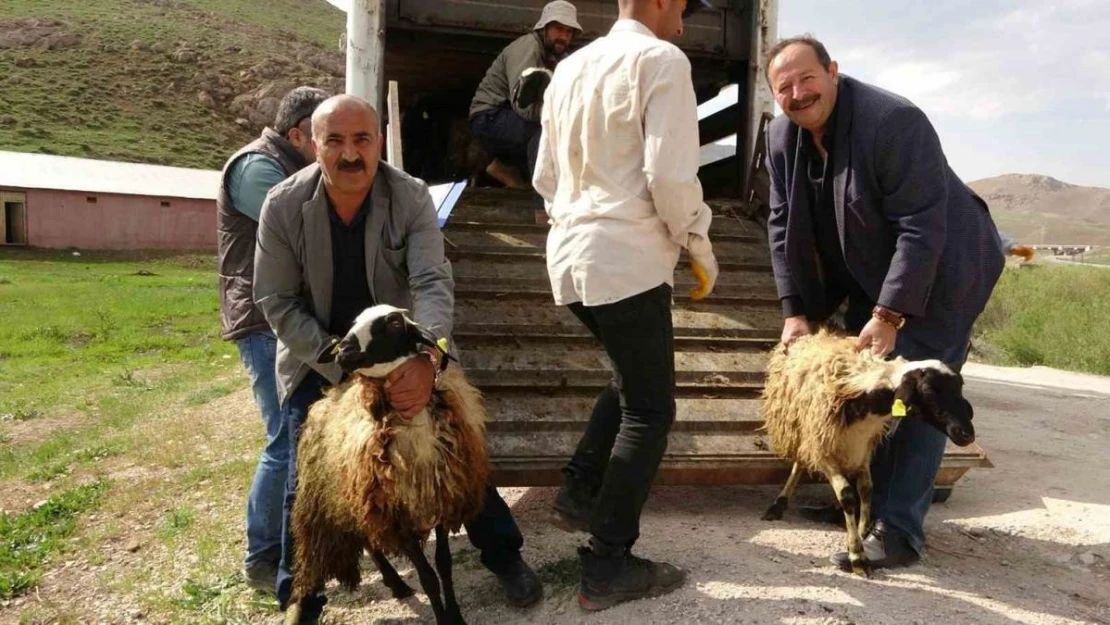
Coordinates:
65	173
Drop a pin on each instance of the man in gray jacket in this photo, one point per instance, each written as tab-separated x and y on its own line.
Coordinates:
507	128
336	238
248	175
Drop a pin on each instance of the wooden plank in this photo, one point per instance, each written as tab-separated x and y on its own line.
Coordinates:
393	129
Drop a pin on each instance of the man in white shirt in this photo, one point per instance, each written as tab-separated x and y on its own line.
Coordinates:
617	168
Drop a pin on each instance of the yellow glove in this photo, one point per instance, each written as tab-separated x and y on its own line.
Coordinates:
704	285
704	265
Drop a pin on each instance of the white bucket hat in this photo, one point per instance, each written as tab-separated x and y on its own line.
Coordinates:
559	11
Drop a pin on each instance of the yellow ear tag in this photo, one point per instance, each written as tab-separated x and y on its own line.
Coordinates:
898	410
442	343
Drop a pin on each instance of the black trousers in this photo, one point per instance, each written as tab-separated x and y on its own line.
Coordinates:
624	442
508	137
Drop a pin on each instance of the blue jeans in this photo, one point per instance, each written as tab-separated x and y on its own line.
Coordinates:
507	136
264	502
493	532
905	464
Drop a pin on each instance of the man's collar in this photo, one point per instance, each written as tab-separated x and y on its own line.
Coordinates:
283	144
630	26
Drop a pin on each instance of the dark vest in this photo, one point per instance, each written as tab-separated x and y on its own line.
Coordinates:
236	239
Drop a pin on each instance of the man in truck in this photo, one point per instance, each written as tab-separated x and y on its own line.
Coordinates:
504	123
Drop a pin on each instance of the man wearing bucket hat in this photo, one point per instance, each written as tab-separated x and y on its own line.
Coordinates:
504	120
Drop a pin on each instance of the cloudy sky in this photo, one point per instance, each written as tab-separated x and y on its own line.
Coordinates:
1012	86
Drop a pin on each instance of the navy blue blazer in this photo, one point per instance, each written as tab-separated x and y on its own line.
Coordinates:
914	236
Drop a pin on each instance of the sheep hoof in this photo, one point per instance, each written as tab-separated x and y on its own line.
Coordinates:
775	512
402	591
862	567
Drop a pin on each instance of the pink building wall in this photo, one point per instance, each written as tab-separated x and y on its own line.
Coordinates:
62	219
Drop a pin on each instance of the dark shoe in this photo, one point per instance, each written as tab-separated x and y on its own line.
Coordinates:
613	579
884	548
262	578
572	507
522	586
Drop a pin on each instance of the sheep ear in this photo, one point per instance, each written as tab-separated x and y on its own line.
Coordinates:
907	390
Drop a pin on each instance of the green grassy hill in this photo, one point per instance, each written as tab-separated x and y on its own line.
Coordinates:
175	82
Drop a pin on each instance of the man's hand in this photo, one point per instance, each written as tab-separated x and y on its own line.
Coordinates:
409	387
879	336
793	329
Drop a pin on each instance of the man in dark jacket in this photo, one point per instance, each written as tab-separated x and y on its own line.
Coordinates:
865	209
506	129
247	177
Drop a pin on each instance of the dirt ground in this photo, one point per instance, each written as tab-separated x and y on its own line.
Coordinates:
1027	541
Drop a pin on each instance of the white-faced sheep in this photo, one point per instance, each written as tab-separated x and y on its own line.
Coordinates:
370	479
827	406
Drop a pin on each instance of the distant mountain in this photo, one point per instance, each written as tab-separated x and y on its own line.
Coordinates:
1041	209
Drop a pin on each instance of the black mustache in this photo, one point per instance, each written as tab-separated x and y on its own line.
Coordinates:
355	165
798	104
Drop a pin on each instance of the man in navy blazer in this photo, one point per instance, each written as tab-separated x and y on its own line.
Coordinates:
866	210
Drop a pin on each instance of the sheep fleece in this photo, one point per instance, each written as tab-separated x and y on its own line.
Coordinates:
804	394
365	483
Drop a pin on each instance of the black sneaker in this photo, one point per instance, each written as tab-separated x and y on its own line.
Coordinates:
885	548
572	507
610	580
521	584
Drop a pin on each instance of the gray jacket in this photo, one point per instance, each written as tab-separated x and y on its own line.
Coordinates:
405	265
500	83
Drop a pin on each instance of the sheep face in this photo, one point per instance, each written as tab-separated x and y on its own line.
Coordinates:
934	393
381	338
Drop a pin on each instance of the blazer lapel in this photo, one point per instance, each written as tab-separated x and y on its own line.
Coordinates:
380	198
318	252
842	154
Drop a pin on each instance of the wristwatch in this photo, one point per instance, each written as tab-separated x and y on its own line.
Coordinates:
894	319
439	363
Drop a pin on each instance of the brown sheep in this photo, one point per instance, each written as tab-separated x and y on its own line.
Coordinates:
369	479
827	407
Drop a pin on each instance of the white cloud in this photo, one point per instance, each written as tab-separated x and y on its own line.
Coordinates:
1010	85
981	63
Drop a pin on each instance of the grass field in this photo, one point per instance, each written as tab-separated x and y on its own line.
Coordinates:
1052	315
108	99
93	349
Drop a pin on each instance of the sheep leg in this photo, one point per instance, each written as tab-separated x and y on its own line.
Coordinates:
443	567
849	500
775	512
428	580
863	489
390	578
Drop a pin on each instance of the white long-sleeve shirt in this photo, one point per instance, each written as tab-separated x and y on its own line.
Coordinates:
617	167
